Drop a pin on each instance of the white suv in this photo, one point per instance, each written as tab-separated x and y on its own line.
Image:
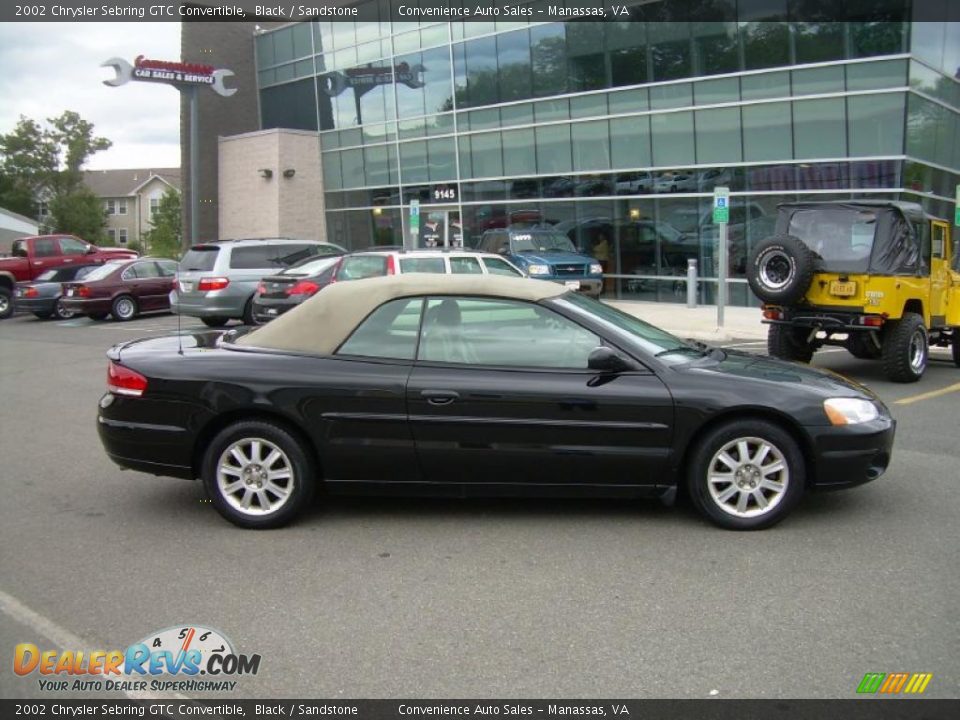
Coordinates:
373	263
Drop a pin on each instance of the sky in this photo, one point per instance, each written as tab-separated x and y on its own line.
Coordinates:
46	68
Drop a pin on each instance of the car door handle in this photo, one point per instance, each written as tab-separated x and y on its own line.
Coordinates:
440	397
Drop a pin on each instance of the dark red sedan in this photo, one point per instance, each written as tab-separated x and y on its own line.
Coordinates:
122	289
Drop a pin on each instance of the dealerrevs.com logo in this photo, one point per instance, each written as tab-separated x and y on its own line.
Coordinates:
170	660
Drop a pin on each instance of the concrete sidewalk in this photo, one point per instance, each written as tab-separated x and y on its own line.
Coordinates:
699	323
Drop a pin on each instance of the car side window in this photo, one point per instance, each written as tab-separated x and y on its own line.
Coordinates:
423	265
139	271
496	266
389	332
71	246
45	247
465	266
505	333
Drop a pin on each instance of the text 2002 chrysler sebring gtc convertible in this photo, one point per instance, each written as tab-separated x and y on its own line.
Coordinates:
477	385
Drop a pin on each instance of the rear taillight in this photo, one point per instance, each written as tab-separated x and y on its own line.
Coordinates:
212	283
83	291
391	267
30	292
304	287
124	381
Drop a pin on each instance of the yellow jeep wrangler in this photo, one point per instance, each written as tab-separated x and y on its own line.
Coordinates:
880	278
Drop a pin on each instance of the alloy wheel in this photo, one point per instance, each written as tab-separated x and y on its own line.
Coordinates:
748	477
255	476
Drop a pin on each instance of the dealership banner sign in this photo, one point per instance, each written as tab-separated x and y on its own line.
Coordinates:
181	74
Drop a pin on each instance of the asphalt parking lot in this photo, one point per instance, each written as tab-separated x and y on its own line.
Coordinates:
369	598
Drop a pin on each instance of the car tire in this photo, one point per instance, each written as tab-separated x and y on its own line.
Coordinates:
862	346
248	313
906	349
731	481
240	484
6	303
214	322
788	343
97	316
781	269
42	315
60	312
124	308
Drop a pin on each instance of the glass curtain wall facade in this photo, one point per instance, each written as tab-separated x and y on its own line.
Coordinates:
620	131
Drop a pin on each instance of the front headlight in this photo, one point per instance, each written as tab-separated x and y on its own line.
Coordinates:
596	269
850	411
538	270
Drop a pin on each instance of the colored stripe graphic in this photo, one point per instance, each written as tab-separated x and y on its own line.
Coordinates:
871	682
893	683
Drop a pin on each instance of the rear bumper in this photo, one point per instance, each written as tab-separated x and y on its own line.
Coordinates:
265	310
825	319
209	307
85	307
147	447
35	305
849	456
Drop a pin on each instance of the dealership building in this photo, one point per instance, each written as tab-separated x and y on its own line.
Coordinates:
615	133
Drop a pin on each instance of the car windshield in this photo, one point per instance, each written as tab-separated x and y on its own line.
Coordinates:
842	237
540	242
648	338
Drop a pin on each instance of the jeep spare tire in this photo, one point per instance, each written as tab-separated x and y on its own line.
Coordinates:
781	269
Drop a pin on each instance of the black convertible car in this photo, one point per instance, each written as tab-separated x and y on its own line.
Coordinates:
479	385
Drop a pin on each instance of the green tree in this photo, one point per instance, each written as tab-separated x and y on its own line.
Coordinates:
80	213
46	163
164	236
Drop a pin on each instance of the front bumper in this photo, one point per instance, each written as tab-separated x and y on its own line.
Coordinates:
587	285
851	455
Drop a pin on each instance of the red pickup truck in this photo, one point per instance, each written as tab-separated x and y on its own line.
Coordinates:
31	256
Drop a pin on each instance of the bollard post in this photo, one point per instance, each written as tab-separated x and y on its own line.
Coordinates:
691	282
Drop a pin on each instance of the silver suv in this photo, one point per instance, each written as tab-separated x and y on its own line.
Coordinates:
216	281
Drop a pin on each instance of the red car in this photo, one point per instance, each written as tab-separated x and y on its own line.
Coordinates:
123	289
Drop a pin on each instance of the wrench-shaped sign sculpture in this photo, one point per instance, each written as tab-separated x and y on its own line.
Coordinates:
173	73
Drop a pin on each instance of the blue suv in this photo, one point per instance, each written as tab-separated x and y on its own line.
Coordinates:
545	254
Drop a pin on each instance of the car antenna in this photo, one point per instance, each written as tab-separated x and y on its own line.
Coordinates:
177	290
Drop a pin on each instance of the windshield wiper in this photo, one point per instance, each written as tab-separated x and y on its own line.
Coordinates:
681	349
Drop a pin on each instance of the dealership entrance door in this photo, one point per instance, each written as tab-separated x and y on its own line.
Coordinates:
440	227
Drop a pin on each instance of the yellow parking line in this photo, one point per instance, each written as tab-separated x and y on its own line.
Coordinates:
927	395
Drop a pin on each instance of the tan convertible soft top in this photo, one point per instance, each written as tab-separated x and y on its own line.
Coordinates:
321	324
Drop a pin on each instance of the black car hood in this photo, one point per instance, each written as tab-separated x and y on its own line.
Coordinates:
780	372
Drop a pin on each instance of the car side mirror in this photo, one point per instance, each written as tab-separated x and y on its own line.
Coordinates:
607	360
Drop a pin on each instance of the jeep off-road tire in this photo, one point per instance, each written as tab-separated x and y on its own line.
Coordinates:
781	269
862	346
906	349
788	343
